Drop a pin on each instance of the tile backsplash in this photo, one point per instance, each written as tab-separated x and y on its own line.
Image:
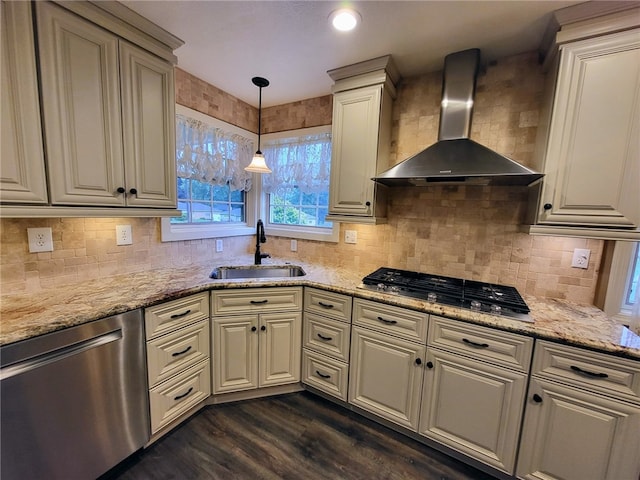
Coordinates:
470	232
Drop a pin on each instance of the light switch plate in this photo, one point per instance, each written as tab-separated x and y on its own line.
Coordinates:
123	235
219	245
581	258
294	245
40	239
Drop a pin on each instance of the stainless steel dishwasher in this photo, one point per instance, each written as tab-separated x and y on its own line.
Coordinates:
74	402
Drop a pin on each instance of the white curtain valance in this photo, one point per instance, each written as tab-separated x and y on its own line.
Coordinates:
303	162
212	155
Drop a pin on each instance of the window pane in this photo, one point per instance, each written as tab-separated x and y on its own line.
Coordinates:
308	216
237	196
630	297
221	193
200	190
183	188
309	199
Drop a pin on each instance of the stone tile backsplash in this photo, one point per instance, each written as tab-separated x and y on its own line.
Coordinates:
470	232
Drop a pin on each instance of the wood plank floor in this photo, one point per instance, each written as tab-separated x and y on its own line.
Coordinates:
295	436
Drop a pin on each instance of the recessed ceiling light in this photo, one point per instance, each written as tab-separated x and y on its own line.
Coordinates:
344	19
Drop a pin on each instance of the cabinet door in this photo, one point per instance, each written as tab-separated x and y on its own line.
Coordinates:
81	107
385	378
22	173
235	353
570	434
280	348
356	117
148	111
473	408
593	154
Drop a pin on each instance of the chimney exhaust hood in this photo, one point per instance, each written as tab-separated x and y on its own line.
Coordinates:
455	158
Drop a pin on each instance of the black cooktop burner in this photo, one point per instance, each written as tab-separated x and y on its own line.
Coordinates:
479	296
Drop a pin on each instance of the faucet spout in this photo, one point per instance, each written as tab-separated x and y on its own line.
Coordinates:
260	238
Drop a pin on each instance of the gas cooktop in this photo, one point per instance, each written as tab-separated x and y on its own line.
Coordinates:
456	292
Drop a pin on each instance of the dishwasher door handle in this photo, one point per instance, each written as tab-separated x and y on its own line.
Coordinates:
58	354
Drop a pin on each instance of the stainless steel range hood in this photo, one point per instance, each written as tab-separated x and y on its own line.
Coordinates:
455	158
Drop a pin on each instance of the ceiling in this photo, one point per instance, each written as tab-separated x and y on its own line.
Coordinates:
292	45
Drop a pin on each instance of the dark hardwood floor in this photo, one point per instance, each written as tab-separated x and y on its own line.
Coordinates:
295	436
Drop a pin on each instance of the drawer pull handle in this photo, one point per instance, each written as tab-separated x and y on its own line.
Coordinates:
325	305
259	302
537	398
475	344
322	375
388	322
322	337
177	354
588	373
184	394
180	315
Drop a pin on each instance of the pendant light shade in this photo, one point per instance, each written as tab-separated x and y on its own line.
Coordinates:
258	165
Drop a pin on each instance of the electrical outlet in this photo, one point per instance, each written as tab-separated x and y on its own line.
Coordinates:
350	236
40	239
581	258
219	245
294	245
123	235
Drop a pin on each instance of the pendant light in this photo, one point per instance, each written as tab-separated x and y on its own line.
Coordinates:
258	165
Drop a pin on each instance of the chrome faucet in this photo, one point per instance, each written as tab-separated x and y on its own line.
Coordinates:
260	238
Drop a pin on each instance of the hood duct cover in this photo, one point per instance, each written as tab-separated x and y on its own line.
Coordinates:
455	158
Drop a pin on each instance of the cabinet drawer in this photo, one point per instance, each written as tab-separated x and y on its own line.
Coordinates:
168	316
326	374
595	371
256	300
177	395
326	336
329	304
169	354
494	346
393	320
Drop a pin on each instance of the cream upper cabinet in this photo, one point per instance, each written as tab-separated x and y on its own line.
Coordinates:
582	416
591	158
108	115
22	170
361	136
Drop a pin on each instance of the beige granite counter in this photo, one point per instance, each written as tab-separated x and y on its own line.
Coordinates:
23	316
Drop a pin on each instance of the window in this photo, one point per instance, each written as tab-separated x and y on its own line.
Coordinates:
296	194
622	300
215	193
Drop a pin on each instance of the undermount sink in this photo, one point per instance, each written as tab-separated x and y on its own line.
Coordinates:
257	271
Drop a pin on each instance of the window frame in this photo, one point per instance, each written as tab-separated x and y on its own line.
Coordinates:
619	278
174	232
296	231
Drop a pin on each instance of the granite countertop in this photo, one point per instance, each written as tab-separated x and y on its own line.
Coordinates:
27	315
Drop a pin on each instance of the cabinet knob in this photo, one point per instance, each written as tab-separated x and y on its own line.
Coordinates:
368	204
547	206
429	364
133	191
537	398
263	328
254	328
418	361
120	190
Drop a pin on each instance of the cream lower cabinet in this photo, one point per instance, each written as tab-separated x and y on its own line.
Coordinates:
582	417
108	110
474	390
326	339
387	361
260	344
178	355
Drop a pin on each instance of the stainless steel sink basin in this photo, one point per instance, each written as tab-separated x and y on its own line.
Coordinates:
257	271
